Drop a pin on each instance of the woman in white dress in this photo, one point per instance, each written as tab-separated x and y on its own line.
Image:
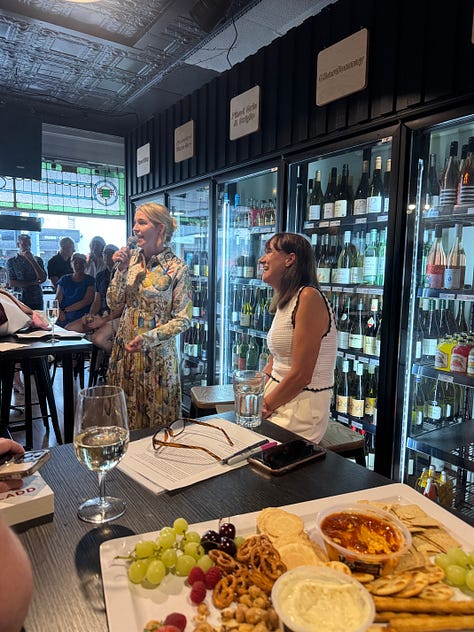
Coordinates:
302	339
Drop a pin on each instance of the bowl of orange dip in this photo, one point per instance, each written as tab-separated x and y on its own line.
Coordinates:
365	538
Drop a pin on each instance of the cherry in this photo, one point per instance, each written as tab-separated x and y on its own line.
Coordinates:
210	540
227	545
227	529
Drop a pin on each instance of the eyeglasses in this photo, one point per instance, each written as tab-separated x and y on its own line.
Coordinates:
164	437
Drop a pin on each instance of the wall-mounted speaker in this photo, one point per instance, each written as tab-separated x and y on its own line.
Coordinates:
20	144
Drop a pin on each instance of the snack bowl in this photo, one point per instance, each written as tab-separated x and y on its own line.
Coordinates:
367	539
321	599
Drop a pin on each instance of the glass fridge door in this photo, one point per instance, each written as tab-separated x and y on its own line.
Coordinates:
191	243
344	203
246	219
437	424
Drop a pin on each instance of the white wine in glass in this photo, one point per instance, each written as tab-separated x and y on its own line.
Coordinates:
100	441
52	314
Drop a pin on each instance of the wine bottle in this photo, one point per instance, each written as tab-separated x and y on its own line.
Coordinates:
370	329
461	324
370	394
204	267
323	268
444	326
436	262
432	185
357	267
264	356
430	334
267	316
257	309
342	392
342	272
246	308
197	341
308	198
466	178
356	394
204	301
235	353
464	150
235	315
343	197
434	402
378	338
448	401
425	251
252	355
356	334
450	177
316	199
455	263
196	296
374	198
244	346
196	264
362	192
344	326
381	257
370	260
417	413
204	332
386	185
328	204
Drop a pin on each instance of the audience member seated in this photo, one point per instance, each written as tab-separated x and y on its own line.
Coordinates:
75	295
95	259
60	263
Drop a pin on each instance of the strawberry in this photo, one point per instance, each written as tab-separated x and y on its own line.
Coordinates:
176	619
212	576
198	592
196	574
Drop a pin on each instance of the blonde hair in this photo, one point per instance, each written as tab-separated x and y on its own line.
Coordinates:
159	214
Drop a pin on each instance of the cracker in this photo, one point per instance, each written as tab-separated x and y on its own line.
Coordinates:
418	582
437	591
389	584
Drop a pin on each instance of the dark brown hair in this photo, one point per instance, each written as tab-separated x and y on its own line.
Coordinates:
301	273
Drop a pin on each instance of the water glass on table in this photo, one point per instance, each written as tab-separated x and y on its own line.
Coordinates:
248	393
52	314
101	439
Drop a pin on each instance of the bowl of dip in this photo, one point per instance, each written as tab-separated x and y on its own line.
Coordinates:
366	538
321	599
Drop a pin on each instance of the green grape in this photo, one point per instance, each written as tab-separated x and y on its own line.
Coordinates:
167	539
169	558
180	525
205	562
145	548
137	571
239	540
194	549
471	558
192	536
455	575
442	560
184	564
458	557
155	572
470	579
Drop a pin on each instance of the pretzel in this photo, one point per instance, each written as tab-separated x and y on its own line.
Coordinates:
242	581
224	591
245	549
261	580
224	561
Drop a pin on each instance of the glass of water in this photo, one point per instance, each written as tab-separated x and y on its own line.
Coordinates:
248	393
52	314
100	441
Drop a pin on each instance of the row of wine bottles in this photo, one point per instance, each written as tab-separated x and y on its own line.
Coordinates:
253	213
438	402
353	258
340	199
195	339
358	329
441	270
199	299
251	306
355	390
454	184
197	263
437	320
249	353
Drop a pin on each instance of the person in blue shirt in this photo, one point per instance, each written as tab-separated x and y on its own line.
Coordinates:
75	294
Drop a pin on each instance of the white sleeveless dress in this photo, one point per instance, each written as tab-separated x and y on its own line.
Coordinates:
307	414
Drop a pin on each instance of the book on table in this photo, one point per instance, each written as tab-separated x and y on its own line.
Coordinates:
34	500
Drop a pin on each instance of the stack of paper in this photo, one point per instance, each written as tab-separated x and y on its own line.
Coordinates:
37	334
173	468
34	500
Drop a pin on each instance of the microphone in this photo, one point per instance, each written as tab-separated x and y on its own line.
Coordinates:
132	242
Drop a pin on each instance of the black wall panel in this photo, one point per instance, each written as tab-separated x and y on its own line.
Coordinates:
420	58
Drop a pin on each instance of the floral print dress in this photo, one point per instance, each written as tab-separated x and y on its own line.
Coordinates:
157	304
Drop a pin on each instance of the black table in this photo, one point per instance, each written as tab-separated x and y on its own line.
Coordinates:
64	350
65	553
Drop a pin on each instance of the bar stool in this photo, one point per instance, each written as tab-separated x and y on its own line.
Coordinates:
99	363
36	368
207	400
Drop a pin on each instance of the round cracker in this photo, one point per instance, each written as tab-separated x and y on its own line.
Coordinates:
437	591
418	582
389	584
435	573
277	522
297	553
363	578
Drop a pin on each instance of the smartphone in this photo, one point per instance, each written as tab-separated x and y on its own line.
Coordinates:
287	456
21	465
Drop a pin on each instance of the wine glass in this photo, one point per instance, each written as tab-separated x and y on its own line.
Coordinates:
100	441
52	314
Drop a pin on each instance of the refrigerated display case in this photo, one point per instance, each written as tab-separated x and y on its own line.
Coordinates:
192	243
437	381
343	200
247	217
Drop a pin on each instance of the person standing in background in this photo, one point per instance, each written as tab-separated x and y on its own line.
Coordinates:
26	273
95	259
60	263
302	339
16	577
152	285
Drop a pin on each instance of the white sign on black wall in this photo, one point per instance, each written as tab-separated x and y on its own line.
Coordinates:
143	160
245	113
184	141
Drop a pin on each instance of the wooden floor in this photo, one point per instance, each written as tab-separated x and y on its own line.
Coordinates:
42	437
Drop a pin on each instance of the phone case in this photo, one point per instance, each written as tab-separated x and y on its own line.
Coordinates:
24	465
286	468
